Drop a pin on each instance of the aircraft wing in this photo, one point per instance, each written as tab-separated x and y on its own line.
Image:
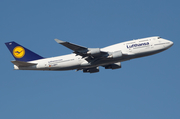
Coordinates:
80	50
71	46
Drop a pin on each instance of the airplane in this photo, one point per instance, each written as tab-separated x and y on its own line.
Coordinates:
87	59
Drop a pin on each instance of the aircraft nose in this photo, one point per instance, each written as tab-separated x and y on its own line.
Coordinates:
171	43
168	43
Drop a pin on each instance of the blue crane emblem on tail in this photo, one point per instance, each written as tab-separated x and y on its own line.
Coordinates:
18	52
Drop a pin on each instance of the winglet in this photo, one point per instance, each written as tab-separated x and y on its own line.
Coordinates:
59	41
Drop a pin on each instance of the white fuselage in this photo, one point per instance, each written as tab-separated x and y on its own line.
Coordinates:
130	49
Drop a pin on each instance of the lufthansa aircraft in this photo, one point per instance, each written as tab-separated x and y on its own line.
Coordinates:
87	59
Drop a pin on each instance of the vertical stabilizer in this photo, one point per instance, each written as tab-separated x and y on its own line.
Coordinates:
21	53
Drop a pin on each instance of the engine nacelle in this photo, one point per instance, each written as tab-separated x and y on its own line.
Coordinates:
91	70
94	51
116	54
113	66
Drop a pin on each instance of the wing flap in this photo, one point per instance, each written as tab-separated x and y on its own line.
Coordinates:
23	64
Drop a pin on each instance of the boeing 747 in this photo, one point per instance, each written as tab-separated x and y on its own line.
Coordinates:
87	59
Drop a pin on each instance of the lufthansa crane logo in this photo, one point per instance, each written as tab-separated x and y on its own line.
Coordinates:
18	52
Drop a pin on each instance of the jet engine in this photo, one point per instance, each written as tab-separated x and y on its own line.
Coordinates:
93	51
116	54
113	66
91	70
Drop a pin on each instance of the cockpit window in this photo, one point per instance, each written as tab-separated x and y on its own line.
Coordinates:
159	37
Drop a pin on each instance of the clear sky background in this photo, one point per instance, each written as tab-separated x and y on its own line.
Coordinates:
144	88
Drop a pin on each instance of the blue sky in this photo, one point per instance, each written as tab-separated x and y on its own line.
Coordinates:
144	88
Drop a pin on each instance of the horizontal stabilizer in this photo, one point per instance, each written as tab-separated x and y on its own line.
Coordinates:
23	64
